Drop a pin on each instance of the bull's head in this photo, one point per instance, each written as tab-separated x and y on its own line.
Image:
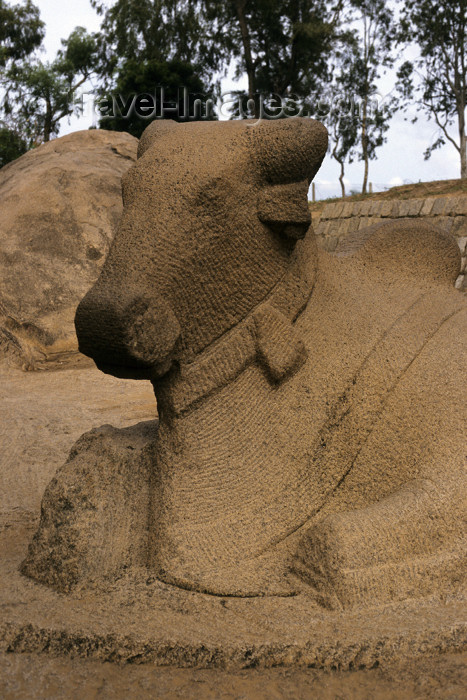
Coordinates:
212	212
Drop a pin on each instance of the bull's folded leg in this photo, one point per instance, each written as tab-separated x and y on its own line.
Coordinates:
404	546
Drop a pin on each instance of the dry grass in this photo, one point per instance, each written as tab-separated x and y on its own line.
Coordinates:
437	188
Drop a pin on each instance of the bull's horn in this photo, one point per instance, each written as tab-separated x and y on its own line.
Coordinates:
289	150
156	129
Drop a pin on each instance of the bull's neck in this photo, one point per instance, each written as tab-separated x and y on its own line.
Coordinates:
266	335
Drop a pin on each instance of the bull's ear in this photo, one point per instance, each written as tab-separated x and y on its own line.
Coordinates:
288	150
155	130
284	208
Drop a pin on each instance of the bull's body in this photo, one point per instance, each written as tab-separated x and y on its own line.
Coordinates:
312	420
350	472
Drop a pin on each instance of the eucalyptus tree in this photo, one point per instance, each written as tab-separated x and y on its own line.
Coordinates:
21	31
283	46
368	55
38	95
155	30
154	56
437	80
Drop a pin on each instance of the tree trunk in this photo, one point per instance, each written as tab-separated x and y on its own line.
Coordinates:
464	157
365	144
48	121
341	162
341	178
463	144
249	63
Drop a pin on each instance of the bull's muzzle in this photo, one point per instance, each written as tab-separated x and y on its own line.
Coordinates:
134	339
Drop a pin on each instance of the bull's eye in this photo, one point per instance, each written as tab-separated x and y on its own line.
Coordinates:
284	208
210	194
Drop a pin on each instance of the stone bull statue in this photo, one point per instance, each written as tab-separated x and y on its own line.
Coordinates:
312	431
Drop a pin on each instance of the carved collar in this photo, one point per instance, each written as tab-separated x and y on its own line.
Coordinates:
267	336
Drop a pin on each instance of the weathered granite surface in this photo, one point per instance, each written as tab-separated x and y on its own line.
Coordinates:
304	496
60	204
305	440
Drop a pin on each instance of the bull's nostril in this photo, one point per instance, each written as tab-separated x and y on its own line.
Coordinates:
139	335
152	330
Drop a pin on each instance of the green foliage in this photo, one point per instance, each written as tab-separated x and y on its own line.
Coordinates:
21	31
12	145
148	44
39	95
155	30
78	55
282	45
360	118
137	98
437	80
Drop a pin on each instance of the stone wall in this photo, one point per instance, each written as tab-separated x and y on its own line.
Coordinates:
340	228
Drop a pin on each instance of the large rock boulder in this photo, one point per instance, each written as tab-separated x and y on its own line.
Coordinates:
59	207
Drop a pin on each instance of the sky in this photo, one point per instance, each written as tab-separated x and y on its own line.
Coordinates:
399	161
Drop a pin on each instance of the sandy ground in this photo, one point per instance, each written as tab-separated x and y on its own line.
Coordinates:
41	415
23	676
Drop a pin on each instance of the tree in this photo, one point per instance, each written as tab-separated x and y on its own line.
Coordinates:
150	47
437	80
351	107
336	107
343	130
39	95
21	31
282	45
155	30
12	145
148	90
369	51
